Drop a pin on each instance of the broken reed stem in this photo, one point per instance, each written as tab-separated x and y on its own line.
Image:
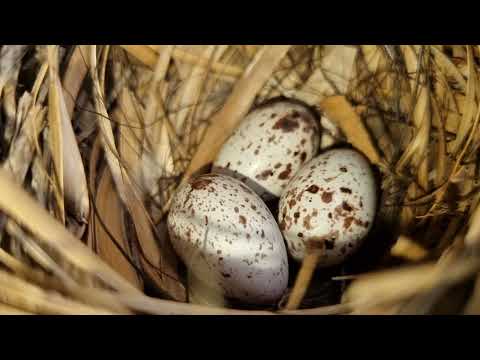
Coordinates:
303	278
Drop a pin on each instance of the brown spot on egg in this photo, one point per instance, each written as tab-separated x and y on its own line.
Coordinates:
271	138
343	169
303	141
306	222
292	203
253	207
263	234
300	235
361	223
285	173
329	179
256	152
303	156
264	174
313	189
345	190
327	196
242	220
296	215
236	209
287	124
346	206
330	215
347	222
299	196
226	275
277	165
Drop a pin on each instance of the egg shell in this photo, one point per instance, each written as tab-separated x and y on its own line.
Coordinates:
270	146
227	237
330	204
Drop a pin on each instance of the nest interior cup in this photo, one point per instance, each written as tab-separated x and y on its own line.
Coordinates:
98	142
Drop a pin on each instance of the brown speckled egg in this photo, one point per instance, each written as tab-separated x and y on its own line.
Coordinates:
270	146
330	204
224	233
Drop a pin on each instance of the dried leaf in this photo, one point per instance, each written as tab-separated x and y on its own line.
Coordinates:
408	249
74	179
338	109
109	209
55	131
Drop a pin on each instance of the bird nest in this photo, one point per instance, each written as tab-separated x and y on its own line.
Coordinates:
95	141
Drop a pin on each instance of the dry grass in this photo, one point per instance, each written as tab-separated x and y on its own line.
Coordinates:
95	140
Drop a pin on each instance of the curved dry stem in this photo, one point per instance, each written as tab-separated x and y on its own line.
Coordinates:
303	278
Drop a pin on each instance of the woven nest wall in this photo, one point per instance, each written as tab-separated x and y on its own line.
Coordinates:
95	140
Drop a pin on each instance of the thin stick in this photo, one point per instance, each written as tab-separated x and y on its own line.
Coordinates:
303	278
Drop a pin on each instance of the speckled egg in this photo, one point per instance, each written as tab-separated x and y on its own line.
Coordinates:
270	146
225	234
330	204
